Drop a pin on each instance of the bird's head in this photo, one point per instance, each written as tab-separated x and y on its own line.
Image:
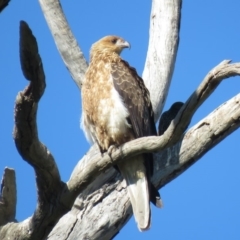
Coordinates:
109	44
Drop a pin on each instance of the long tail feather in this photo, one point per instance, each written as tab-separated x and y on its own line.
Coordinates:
134	172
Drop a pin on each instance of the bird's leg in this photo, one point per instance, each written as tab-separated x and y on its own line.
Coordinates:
102	151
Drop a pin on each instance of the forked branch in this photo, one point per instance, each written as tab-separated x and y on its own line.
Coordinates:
98	163
107	194
25	131
93	179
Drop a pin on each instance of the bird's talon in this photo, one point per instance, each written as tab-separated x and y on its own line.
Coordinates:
110	150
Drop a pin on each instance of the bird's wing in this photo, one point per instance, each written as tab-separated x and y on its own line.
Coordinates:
135	97
137	170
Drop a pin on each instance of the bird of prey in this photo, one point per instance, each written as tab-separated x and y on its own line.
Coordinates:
116	109
168	116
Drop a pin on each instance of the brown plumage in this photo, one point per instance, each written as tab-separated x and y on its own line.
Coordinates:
116	109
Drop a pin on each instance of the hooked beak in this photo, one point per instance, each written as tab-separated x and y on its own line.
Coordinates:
124	44
127	45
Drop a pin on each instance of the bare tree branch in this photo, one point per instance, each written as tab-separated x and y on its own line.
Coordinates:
198	140
101	188
49	185
98	163
8	197
25	131
107	195
163	44
54	199
3	4
162	50
94	166
66	43
209	84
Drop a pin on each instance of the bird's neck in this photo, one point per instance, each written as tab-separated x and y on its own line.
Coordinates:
106	56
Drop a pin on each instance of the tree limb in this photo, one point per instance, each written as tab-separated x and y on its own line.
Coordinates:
201	138
93	178
25	131
162	50
65	41
86	172
8	197
107	195
3	4
94	166
161	56
49	185
222	71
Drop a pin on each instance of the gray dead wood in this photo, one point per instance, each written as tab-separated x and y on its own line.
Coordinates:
102	207
8	197
104	202
162	50
66	43
164	30
51	206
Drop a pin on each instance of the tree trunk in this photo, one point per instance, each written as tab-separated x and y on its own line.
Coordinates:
94	203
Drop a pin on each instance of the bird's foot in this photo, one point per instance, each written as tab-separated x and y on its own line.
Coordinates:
111	149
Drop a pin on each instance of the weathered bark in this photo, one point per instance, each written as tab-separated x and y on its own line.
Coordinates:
8	197
162	50
102	198
29	146
55	198
66	43
103	207
86	171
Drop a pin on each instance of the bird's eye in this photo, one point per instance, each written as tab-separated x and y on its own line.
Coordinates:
114	40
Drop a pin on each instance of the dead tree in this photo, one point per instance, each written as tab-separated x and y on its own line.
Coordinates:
65	209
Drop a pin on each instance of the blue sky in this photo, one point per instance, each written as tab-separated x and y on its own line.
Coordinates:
203	203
